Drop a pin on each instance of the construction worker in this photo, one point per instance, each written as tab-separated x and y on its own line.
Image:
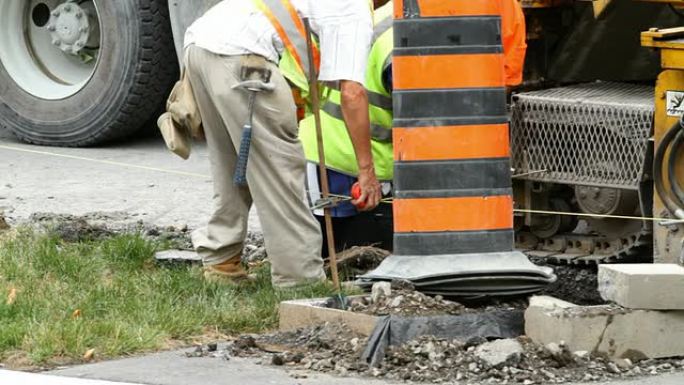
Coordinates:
514	34
353	228
273	30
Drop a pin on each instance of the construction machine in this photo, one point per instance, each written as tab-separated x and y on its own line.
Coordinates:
589	183
586	128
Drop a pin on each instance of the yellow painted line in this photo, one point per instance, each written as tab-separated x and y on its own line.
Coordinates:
107	162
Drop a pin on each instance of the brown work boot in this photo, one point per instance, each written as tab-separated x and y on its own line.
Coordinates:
230	271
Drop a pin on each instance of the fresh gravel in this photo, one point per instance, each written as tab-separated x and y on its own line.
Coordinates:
335	349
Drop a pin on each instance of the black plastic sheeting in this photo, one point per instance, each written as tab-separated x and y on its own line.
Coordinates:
396	330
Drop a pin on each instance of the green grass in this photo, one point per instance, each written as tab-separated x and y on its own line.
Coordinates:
127	303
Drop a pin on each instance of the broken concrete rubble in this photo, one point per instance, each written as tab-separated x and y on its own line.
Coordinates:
643	286
333	348
606	329
499	353
379	290
177	257
400	300
407	302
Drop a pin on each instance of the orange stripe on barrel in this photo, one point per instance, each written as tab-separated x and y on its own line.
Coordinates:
448	71
441	8
451	142
453	214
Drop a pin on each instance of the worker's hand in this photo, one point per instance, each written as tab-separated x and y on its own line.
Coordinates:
371	191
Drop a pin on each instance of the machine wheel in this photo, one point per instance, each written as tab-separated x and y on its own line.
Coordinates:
546	226
82	72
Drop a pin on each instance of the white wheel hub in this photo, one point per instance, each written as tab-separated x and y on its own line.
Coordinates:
49	47
69	28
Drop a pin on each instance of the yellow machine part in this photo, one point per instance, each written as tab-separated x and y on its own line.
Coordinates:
669	93
668	239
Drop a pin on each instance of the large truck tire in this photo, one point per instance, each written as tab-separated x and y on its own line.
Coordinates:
80	73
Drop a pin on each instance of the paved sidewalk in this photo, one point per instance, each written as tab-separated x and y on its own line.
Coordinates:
173	368
19	378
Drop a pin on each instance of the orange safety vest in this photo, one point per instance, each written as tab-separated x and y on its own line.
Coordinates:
514	41
290	27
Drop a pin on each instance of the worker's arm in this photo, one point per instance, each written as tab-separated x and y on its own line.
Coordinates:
357	120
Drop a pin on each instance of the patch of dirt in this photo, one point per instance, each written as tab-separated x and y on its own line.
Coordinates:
333	348
575	284
358	260
97	226
3	223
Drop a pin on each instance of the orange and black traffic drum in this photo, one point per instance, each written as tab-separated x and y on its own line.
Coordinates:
451	140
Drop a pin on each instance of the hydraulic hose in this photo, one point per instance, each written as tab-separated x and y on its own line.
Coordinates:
674	198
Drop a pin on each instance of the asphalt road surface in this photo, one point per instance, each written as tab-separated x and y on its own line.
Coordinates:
138	179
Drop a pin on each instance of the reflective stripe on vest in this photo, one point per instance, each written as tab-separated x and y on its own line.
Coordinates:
378	132
383	26
290	27
374	98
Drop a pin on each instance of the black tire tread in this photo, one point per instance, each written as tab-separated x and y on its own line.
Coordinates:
155	74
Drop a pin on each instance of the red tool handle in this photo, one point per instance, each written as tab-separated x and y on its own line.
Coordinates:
356	194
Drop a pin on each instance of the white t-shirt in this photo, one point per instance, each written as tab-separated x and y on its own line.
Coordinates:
345	29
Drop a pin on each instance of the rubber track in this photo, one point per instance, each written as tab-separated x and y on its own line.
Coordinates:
563	249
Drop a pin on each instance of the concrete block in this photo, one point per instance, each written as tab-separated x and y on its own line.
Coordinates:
643	286
607	329
310	312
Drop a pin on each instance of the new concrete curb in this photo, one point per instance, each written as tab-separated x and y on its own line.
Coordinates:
310	312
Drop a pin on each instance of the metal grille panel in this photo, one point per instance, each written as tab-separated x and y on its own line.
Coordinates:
588	134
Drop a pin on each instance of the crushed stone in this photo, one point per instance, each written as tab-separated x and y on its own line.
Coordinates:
254	251
401	298
335	349
405	303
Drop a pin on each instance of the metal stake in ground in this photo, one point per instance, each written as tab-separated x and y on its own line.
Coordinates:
325	188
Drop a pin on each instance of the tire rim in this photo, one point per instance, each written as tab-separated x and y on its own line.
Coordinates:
50	48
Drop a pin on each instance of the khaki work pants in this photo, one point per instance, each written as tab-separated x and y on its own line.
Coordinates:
275	171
